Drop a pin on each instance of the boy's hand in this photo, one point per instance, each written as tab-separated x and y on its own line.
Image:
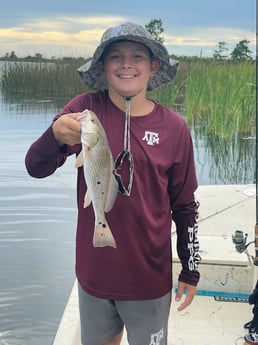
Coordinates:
67	129
190	293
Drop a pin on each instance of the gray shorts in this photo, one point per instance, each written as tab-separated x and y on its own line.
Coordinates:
146	321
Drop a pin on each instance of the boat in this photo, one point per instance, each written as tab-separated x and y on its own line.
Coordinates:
221	307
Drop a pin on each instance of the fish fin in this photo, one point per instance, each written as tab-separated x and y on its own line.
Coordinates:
113	188
79	160
103	236
87	199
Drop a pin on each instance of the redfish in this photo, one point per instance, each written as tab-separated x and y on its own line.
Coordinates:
98	164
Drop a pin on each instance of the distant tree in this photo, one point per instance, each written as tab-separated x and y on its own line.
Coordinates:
155	28
219	53
38	56
12	56
241	51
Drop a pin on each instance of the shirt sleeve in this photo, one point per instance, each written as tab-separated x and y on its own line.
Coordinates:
182	185
44	156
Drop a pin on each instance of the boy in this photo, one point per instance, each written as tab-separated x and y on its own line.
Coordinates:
131	285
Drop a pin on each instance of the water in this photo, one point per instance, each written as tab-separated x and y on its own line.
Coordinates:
37	232
38	218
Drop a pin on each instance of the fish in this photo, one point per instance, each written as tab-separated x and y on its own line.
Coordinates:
98	166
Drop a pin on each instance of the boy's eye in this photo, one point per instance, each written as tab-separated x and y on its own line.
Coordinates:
138	57
114	57
118	57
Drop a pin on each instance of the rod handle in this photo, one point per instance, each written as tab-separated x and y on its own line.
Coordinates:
256	245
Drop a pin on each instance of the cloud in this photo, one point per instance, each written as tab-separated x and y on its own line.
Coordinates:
209	36
73	23
75	33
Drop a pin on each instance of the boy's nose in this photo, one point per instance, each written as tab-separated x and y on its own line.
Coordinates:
126	66
126	63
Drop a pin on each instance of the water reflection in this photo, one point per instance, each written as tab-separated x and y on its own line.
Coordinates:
17	104
224	160
37	237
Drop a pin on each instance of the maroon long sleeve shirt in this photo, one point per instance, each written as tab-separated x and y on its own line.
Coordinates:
163	189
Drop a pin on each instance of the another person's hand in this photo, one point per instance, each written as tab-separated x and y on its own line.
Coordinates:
67	129
190	293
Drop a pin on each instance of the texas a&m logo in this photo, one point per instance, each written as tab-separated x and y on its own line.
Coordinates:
151	138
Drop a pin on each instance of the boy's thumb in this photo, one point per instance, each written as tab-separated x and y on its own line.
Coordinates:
179	293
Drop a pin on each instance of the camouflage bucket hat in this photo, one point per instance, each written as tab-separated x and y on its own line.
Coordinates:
130	32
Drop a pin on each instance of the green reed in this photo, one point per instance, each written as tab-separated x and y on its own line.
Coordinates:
42	79
172	94
221	97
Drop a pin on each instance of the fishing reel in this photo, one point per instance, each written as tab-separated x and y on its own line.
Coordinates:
239	239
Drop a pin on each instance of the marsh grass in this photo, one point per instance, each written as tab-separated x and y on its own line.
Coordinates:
221	98
218	96
42	79
172	94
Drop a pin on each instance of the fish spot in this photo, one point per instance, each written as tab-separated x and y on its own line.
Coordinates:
103	225
98	182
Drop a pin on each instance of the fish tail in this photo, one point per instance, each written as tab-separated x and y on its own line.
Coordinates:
103	236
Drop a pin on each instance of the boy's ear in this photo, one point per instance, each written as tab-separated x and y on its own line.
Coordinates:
154	67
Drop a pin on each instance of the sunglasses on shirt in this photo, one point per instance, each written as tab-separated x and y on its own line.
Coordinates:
125	158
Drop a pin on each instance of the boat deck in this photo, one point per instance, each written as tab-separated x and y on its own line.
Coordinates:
219	311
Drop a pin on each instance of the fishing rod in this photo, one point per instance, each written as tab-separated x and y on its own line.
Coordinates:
252	337
239	239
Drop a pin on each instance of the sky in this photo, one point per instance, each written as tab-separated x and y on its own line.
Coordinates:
56	28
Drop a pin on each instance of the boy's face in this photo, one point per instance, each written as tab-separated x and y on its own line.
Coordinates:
127	67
